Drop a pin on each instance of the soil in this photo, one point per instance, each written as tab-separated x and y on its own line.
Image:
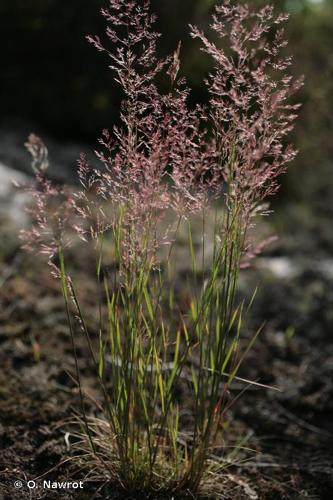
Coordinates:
289	432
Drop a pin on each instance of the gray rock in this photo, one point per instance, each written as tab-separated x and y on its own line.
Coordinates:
12	200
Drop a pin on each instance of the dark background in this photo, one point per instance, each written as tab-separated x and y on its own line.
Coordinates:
53	78
54	83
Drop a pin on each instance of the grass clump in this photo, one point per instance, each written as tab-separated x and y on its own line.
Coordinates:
165	169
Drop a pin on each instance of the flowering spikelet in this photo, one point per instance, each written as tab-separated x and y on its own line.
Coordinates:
249	92
158	136
51	207
156	159
135	156
39	154
161	156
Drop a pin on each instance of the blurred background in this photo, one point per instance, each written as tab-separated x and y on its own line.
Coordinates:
57	85
54	83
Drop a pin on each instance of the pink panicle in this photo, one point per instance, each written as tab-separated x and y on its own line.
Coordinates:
51	207
158	139
164	155
250	89
39	153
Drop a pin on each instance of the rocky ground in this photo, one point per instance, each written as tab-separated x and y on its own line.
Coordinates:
289	432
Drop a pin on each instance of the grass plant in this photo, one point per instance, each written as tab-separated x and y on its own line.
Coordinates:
167	161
